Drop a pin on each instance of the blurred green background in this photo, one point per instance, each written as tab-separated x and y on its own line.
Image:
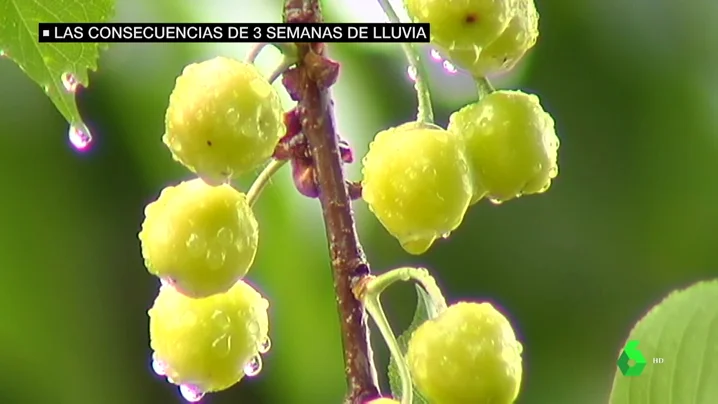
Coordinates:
632	215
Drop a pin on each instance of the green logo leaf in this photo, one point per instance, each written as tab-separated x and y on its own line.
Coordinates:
631	353
679	338
59	68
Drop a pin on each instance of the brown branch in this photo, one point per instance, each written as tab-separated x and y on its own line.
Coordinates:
308	84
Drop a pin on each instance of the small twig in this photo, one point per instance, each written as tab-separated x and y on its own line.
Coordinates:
369	291
305	177
280	69
377	284
354	189
484	87
373	305
287	49
254	52
262	180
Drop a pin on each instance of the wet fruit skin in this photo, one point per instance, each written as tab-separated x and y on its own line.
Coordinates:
206	342
511	144
462	24
382	400
417	183
468	354
505	51
200	238
224	119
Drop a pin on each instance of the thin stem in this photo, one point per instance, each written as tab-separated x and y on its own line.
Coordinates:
263	180
254	52
484	87
370	296
420	275
288	49
425	110
285	64
375	310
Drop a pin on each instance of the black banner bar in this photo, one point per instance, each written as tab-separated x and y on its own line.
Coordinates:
233	33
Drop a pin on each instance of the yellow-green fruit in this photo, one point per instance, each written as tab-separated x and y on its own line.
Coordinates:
417	182
200	238
224	119
382	400
462	24
205	344
468	354
507	50
511	144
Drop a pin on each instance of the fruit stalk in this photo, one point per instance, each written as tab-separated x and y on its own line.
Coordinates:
484	87
425	110
348	261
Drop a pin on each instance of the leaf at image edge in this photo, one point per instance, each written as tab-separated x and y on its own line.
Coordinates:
421	314
47	63
682	330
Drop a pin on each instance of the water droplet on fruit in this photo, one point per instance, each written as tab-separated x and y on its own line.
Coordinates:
253	328
70	82
225	236
221	319
2	53
80	137
418	244
168	282
253	367
215	259
232	116
195	245
159	367
223	345
46	88
411	71
265	345
191	393
496	201
435	55
553	172
449	67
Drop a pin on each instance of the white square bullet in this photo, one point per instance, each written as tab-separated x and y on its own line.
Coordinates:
45	32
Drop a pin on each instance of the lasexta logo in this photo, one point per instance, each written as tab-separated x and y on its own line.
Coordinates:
631	354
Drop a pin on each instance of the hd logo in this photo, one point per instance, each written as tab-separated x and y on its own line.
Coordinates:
631	353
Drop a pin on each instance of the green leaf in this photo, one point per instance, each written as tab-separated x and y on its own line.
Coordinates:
424	311
56	67
679	340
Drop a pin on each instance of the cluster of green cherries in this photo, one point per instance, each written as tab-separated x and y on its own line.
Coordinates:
419	178
209	327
